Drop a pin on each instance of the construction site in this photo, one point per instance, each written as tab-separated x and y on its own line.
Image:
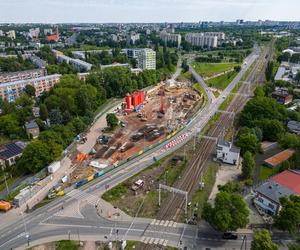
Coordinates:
145	119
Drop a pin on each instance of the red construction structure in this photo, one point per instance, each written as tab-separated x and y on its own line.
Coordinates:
135	99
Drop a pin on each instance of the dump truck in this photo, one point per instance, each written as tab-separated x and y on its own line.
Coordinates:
5	206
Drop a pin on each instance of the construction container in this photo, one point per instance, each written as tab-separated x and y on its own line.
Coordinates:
142	95
135	100
53	167
128	101
5	206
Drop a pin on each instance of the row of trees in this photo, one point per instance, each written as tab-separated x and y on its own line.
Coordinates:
11	64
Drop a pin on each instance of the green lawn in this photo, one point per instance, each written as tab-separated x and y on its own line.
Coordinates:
211	69
67	245
221	82
266	172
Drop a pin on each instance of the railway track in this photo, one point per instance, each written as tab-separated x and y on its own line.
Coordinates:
172	207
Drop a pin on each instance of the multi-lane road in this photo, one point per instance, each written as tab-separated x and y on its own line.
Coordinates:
82	222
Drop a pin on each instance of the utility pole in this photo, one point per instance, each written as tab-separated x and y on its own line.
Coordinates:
7	190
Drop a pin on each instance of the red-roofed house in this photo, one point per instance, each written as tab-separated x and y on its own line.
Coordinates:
267	195
289	179
53	38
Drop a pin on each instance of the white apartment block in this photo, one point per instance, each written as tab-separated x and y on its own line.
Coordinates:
11	34
78	64
168	37
208	39
132	38
34	32
10	91
146	58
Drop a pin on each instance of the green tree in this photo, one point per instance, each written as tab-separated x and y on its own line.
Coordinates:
272	129
259	91
229	213
289	140
29	90
248	165
262	240
248	142
112	120
43	112
231	187
37	155
269	70
288	218
294	247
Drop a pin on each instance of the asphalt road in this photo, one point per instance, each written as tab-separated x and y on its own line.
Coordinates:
45	224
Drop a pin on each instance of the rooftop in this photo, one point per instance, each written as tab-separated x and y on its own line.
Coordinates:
280	157
31	124
11	149
289	179
273	190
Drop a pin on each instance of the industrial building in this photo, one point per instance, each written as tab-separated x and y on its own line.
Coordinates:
207	39
10	91
170	37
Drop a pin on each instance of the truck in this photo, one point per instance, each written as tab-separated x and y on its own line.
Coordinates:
5	206
53	167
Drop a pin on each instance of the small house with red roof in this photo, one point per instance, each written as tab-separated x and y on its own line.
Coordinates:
267	195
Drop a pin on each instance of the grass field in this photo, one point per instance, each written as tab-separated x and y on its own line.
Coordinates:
221	82
266	172
211	69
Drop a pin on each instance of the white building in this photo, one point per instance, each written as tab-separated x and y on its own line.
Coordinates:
202	40
1	33
78	64
146	58
48	32
11	34
34	32
168	37
227	152
132	37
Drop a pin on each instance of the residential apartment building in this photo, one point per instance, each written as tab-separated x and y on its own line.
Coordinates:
77	64
146	58
132	37
22	75
11	34
168	37
202	40
10	91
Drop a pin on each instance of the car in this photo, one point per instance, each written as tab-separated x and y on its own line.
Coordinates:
229	236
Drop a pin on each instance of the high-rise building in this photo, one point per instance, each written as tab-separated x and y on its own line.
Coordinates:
207	39
11	34
34	32
167	37
146	58
132	37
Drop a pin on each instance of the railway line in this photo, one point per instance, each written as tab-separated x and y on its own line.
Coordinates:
171	208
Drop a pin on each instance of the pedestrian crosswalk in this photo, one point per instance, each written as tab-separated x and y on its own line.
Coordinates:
164	223
155	241
72	211
83	196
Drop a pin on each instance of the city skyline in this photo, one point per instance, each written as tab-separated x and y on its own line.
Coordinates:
88	11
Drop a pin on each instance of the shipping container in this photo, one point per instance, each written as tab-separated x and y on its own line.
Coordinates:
102	172
90	178
142	95
135	100
81	183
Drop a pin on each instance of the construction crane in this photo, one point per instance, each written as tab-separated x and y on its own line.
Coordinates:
162	100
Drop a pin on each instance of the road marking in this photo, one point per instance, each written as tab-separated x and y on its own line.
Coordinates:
162	222
151	241
161	241
153	222
170	223
166	223
156	241
157	222
174	224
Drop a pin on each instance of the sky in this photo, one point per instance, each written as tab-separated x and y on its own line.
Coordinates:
105	11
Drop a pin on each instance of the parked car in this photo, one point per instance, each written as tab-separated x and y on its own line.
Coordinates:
229	236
